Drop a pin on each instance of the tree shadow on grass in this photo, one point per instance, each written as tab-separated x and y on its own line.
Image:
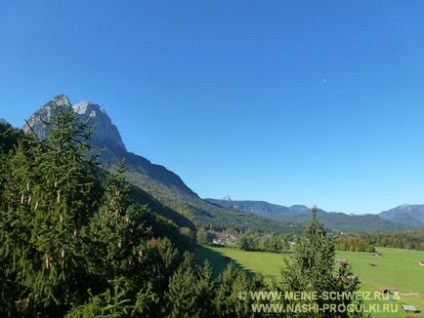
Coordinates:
217	260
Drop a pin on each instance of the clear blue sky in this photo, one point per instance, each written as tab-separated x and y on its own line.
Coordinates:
310	102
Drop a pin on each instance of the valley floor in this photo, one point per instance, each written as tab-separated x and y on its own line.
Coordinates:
396	270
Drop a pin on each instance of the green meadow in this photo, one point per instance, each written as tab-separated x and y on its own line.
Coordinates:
395	270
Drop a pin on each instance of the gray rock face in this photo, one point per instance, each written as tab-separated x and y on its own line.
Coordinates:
106	135
37	122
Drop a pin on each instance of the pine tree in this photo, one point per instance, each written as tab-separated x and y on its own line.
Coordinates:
311	271
182	294
232	283
51	191
205	287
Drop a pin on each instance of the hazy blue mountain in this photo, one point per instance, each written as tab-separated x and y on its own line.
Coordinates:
258	207
409	214
301	214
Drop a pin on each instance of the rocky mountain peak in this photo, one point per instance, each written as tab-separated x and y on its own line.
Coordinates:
106	135
88	109
60	100
36	122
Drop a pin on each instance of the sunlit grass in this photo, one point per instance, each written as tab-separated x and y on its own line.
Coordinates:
396	270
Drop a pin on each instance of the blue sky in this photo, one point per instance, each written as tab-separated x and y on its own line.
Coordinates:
291	102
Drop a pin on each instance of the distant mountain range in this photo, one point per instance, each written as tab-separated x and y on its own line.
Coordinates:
400	218
409	214
166	191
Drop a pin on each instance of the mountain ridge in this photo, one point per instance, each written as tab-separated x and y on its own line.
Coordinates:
301	214
409	214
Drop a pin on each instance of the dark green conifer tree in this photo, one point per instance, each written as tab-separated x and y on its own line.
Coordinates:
312	271
181	297
231	284
51	190
206	287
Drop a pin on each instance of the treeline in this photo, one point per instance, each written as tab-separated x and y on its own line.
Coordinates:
368	241
276	243
413	240
354	244
247	241
266	242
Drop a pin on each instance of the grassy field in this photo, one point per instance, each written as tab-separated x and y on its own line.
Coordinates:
396	270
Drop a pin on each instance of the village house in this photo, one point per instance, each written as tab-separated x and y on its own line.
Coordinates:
217	238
